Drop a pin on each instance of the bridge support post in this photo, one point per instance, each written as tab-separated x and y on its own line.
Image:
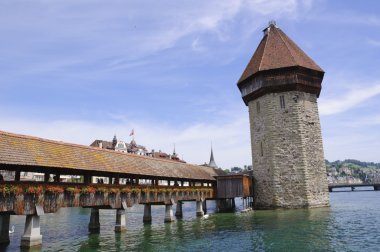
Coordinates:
204	206
120	224
94	225
199	208
217	205
147	213
178	209
225	205
169	213
32	234
46	177
17	175
4	228
87	179
330	189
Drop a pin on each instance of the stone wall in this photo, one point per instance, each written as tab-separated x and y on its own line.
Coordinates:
287	151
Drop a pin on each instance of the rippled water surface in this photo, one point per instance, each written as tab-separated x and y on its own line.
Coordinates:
352	223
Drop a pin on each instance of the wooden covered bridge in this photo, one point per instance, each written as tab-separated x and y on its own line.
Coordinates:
132	179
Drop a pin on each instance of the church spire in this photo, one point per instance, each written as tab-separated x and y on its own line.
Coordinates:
174	154
212	161
114	141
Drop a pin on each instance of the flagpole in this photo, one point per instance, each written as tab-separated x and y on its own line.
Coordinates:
132	134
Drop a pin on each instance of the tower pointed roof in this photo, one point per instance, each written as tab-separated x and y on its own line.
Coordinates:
276	50
279	65
212	161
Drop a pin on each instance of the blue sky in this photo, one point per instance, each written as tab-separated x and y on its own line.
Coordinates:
77	71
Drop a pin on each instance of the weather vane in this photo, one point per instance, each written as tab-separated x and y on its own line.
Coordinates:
272	22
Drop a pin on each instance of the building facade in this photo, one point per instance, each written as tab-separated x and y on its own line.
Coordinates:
122	146
280	86
134	148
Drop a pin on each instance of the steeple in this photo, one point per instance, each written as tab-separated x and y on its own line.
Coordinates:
212	161
114	141
174	154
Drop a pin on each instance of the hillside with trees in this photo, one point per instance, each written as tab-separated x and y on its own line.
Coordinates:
352	171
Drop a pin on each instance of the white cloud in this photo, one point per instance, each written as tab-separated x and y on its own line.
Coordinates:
374	42
348	144
370	121
365	121
349	100
231	140
80	37
51	35
197	46
347	17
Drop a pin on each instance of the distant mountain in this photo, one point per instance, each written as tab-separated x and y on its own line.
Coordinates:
353	162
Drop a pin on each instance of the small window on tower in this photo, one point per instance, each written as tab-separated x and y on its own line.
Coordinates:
261	149
258	107
282	101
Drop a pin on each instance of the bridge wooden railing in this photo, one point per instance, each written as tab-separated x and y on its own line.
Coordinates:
23	198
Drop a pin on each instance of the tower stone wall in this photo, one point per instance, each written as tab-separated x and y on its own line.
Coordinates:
287	151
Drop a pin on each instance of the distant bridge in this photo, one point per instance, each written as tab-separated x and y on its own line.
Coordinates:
376	186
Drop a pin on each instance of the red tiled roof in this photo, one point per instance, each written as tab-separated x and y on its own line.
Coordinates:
31	151
276	50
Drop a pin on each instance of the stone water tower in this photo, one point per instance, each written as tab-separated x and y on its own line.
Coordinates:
280	86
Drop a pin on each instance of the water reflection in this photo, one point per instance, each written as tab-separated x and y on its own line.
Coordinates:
145	242
118	241
34	249
351	224
295	230
92	244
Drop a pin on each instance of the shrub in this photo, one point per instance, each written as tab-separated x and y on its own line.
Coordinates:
73	190
11	189
88	189
54	189
34	189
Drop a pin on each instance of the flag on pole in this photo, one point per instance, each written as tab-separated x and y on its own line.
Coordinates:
132	132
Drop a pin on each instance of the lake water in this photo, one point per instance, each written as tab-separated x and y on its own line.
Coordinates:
352	223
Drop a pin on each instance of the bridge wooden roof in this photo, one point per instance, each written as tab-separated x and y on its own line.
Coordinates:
28	151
